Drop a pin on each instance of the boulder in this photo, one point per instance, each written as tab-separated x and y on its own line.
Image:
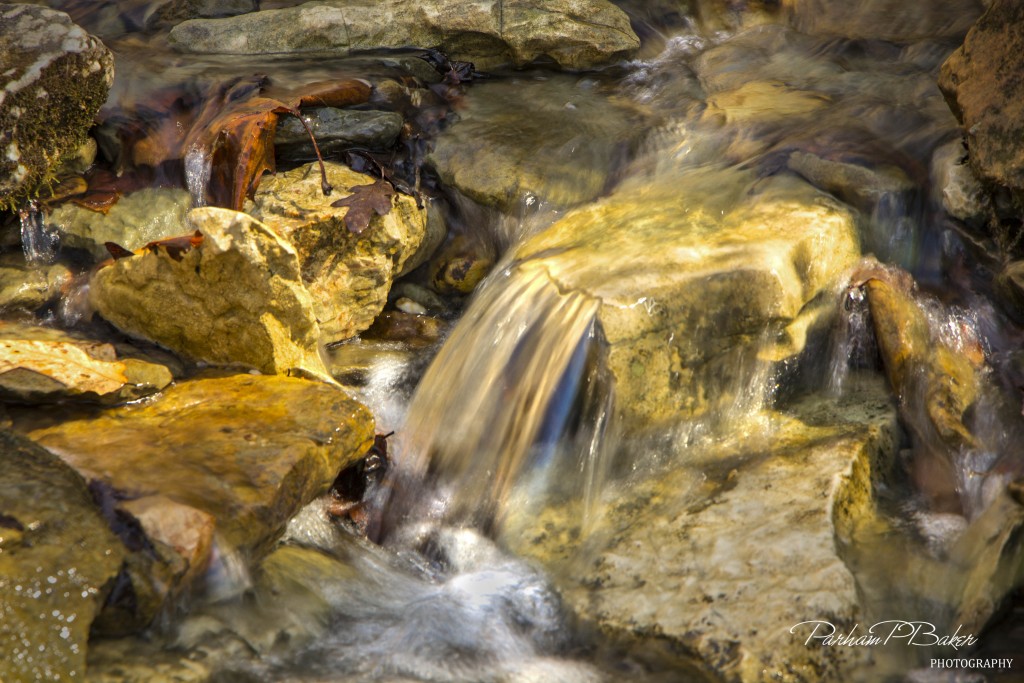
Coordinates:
695	277
348	275
50	71
522	142
576	35
677	559
982	84
135	220
58	560
167	13
39	365
249	451
237	298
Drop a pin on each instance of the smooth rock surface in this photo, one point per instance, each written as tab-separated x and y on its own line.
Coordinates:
693	283
236	299
347	275
892	20
58	559
39	365
248	450
576	34
983	83
30	287
135	220
552	139
50	70
713	560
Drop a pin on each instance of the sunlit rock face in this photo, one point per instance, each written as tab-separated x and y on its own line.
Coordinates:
236	297
348	275
50	70
250	451
697	276
575	35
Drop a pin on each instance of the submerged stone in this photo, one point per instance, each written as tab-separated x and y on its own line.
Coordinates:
28	287
50	71
248	450
525	141
58	559
348	275
714	562
575	35
892	20
237	298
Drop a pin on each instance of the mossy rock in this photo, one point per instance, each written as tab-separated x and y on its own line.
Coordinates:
54	77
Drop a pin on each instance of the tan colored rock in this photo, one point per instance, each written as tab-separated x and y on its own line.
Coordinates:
29	288
719	561
690	293
135	220
247	450
347	275
58	559
50	70
519	144
576	34
188	530
982	84
38	365
236	299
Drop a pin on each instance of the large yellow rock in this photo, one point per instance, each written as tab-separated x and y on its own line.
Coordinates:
238	298
248	450
347	275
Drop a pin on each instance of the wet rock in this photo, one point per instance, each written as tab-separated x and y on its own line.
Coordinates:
238	298
347	275
46	366
865	188
415	329
134	221
27	287
920	363
249	451
555	139
676	559
684	324
50	70
460	266
891	20
575	35
188	530
756	101
57	560
981	82
960	192
335	130
1009	285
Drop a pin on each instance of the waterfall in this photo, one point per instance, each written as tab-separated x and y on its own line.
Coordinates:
522	378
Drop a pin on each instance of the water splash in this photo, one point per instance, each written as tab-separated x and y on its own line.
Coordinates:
198	167
38	243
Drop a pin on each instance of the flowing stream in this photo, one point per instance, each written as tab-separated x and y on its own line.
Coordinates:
654	330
